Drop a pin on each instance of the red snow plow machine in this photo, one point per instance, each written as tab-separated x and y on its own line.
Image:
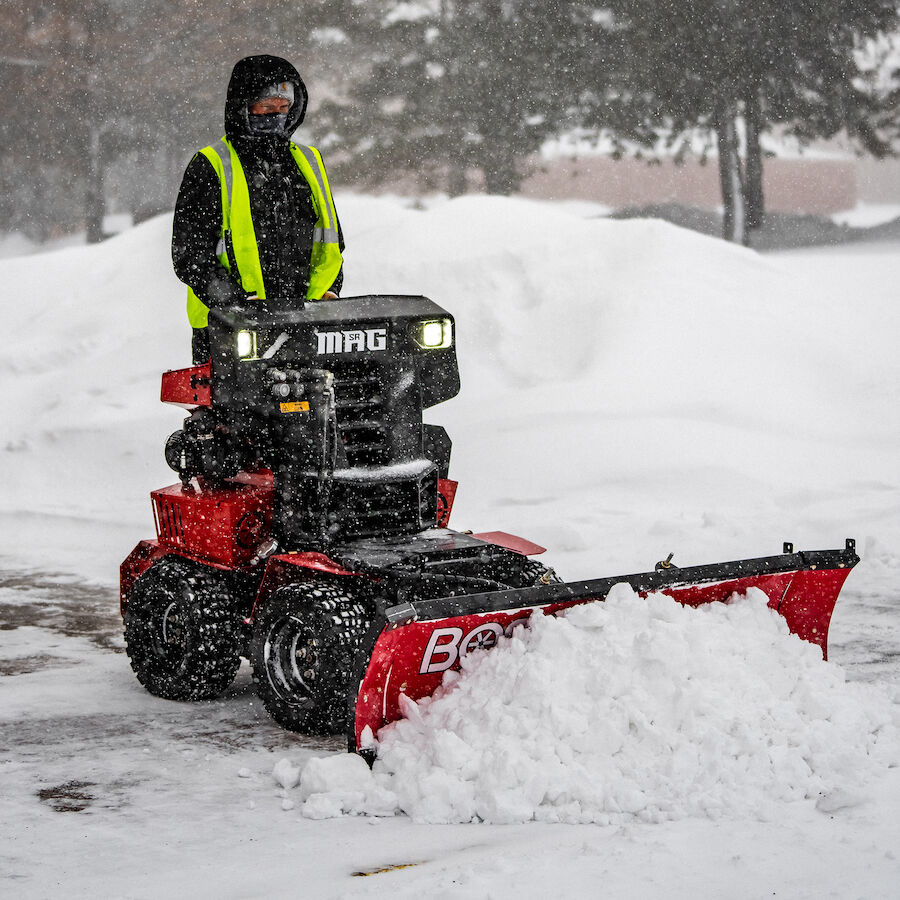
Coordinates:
309	530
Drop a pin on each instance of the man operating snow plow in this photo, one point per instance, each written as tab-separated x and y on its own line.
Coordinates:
309	531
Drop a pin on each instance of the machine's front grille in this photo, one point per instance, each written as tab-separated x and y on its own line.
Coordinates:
360	407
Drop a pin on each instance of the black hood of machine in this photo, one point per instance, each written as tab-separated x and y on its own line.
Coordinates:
249	78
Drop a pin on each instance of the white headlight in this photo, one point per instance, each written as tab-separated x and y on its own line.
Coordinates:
436	334
246	344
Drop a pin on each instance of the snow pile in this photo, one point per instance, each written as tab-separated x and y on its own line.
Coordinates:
629	710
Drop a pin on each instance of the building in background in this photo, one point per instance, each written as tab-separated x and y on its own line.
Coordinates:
823	179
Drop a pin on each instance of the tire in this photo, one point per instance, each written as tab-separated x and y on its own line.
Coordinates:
175	452
183	631
302	652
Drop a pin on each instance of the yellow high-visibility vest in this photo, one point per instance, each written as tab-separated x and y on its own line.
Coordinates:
239	237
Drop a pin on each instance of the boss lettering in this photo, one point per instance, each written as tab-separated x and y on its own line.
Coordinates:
442	650
446	645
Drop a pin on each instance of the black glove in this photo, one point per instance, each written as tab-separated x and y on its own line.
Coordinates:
222	292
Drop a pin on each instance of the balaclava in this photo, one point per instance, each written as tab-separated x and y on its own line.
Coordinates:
271	123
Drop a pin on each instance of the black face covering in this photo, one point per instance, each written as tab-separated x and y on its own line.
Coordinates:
270	123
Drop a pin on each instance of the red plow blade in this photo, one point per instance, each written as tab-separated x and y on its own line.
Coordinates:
408	649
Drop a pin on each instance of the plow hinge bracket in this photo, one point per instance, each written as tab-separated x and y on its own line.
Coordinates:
666	563
402	614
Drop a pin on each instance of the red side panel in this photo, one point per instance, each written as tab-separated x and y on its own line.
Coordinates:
283	569
186	387
511	542
446	495
223	525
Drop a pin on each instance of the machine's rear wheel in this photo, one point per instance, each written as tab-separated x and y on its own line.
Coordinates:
302	651
183	631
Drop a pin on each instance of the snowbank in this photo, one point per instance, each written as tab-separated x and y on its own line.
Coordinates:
629	710
629	385
629	389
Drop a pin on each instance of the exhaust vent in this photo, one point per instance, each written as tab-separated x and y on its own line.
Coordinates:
169	521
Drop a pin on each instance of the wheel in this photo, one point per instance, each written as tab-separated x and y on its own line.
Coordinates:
534	574
183	631
174	452
302	651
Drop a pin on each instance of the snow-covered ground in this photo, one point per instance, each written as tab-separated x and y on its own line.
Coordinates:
865	215
629	389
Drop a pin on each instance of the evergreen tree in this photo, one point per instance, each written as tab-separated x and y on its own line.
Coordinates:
122	92
119	87
458	85
698	66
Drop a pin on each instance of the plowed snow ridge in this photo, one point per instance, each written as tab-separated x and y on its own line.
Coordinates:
629	710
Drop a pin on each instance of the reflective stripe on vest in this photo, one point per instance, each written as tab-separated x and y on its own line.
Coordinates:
226	179
237	243
326	233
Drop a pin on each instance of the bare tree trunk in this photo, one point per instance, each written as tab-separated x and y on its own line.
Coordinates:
500	175
754	168
456	179
456	166
734	223
93	194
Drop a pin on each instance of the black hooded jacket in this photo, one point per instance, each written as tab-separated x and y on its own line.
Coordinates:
280	199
